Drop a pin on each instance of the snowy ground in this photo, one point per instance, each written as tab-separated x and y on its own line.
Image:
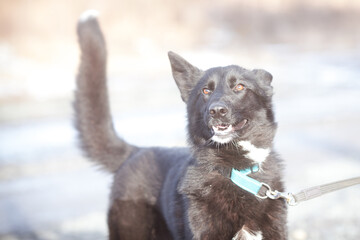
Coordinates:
49	191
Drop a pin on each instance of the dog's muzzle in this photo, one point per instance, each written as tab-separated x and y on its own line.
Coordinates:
224	133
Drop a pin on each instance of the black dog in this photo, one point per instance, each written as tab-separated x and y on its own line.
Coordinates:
181	193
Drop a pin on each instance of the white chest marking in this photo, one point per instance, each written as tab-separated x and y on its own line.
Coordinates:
254	153
245	235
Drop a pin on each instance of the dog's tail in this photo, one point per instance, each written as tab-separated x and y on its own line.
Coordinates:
92	111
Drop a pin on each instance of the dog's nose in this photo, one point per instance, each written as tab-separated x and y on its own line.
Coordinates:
218	110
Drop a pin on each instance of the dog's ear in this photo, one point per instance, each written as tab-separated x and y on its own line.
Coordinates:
265	79
186	75
264	76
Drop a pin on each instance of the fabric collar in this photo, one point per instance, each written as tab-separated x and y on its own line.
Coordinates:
241	179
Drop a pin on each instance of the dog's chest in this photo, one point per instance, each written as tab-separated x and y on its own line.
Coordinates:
256	154
231	199
224	209
246	234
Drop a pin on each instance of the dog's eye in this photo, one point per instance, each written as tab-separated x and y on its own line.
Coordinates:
239	88
206	91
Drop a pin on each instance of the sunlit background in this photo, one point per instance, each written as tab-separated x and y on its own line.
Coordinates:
312	48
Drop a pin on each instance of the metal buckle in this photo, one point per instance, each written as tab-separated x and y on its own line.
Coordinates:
289	197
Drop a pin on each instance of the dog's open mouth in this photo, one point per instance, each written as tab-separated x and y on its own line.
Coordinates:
222	129
223	133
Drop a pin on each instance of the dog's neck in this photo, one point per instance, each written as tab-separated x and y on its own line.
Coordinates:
256	154
239	154
243	155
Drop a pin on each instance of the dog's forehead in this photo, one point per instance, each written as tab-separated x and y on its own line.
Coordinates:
238	72
229	73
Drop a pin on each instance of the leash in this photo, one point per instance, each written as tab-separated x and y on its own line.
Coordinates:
312	192
253	186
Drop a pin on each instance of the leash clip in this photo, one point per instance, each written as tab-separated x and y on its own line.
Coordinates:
307	194
289	197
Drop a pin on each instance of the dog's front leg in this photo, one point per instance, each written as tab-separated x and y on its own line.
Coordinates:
269	226
273	221
209	224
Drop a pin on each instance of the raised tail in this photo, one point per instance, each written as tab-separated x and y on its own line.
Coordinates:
92	111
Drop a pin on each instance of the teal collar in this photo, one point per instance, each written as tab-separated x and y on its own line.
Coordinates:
241	179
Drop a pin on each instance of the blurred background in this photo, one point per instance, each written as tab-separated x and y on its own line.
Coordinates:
312	48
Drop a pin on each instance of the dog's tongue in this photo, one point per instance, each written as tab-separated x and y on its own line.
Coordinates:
240	125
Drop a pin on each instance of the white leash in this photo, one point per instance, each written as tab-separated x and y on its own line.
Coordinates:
310	193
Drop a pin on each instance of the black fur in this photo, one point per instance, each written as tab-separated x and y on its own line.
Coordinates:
184	193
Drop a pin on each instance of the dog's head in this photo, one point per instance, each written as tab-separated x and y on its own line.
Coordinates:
225	104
